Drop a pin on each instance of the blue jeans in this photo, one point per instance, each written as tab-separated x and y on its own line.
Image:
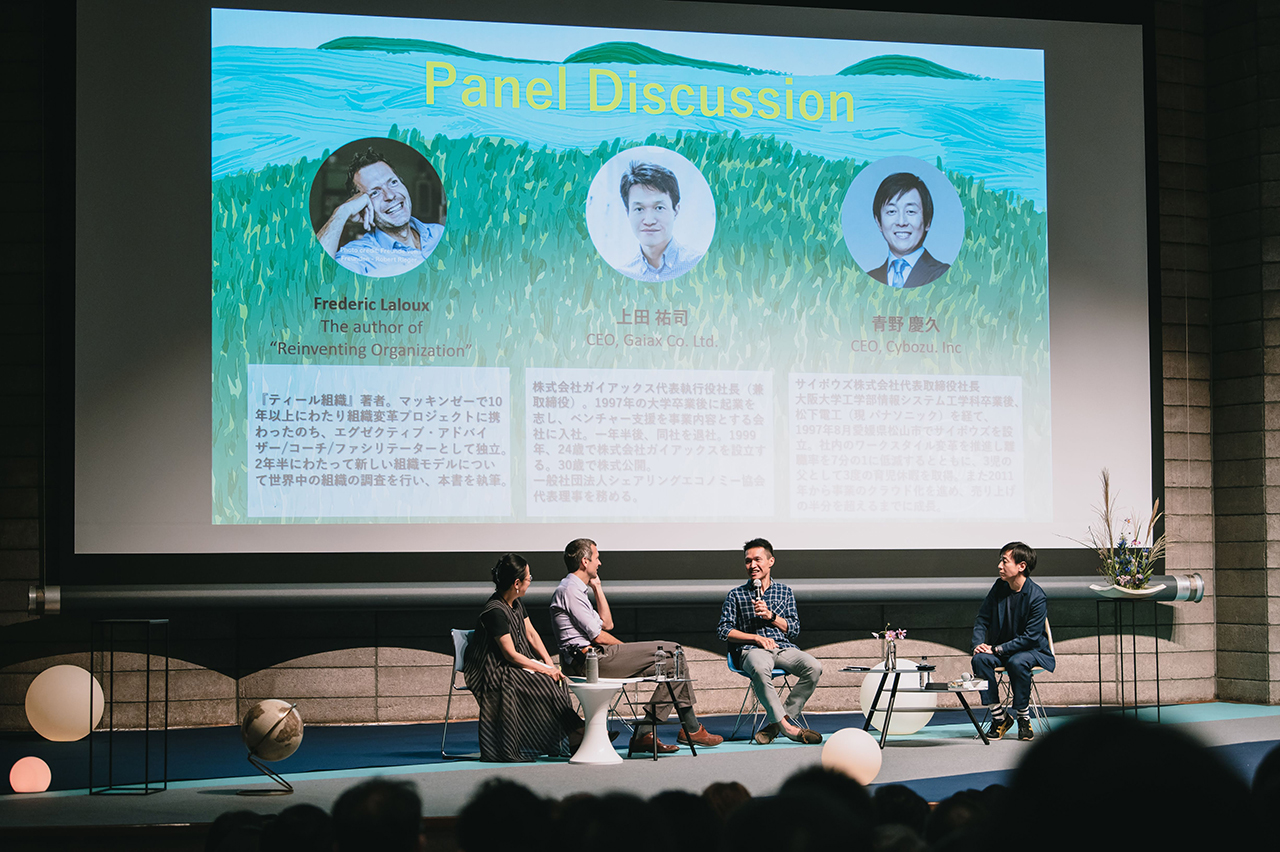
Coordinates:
758	664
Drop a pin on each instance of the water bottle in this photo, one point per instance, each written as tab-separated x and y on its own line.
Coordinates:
660	658
677	663
593	666
924	672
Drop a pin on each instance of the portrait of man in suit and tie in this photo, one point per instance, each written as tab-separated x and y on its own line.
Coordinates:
903	212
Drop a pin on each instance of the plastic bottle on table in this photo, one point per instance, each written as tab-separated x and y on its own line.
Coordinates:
660	658
592	666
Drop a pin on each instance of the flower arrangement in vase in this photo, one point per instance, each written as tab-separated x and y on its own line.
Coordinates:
888	645
1126	550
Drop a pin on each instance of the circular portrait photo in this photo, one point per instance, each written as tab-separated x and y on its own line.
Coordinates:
377	207
903	222
650	214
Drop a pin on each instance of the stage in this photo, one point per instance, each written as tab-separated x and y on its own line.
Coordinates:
941	759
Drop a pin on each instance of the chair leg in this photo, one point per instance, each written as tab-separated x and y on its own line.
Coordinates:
444	733
737	723
614	714
1037	708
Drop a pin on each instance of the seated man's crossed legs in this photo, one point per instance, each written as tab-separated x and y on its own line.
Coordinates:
758	664
1017	667
635	659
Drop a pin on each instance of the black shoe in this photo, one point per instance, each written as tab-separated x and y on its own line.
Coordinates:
1024	728
999	725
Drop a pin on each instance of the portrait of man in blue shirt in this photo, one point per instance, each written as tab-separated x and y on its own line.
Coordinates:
380	206
651	194
903	212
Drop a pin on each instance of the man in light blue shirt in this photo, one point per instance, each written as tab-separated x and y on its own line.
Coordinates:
903	211
394	241
651	194
581	625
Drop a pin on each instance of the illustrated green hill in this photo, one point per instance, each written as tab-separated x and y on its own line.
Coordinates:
633	53
913	66
415	45
621	52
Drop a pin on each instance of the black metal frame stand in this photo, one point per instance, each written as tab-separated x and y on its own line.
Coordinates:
1118	632
103	640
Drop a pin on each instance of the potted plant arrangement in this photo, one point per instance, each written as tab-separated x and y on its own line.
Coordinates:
1127	552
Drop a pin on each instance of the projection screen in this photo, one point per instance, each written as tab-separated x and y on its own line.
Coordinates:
425	280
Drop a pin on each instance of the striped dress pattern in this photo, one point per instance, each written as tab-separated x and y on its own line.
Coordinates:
523	714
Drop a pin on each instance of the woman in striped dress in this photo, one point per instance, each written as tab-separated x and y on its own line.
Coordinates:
525	709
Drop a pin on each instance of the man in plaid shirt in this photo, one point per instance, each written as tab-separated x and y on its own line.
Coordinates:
758	621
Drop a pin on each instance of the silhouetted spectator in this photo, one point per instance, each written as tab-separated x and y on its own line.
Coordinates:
898	804
503	816
688	821
300	828
1106	782
1266	786
724	797
820	781
380	815
616	822
236	831
817	822
896	837
958	817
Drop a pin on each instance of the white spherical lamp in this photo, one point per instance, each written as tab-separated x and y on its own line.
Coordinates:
64	703
30	775
911	711
854	752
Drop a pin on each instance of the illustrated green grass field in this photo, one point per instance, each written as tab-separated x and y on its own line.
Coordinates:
517	277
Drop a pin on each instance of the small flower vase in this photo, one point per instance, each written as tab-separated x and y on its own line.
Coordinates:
890	655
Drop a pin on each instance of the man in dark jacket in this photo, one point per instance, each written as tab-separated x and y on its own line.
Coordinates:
1011	631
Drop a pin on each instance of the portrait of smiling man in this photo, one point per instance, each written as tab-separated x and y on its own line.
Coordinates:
651	194
903	211
391	241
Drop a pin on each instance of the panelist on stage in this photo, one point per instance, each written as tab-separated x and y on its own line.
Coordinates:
1010	631
580	625
525	709
759	620
903	211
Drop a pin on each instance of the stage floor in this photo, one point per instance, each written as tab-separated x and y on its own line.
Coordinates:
941	759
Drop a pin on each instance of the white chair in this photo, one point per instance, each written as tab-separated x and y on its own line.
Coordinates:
461	638
1038	715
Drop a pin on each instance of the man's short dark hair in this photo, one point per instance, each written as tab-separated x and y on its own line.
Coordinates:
758	542
576	551
1020	553
652	175
359	160
378	814
897	184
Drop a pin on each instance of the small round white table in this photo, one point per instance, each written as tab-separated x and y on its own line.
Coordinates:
595	699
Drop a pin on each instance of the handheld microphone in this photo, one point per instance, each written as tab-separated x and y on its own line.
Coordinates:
756	585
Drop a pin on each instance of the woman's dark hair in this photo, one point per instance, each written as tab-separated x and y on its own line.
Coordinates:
510	567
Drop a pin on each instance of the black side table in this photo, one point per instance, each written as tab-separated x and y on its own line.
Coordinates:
107	637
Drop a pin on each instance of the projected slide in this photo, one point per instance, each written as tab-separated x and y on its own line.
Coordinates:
476	272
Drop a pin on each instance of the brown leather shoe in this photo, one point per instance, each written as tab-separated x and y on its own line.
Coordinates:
646	743
805	736
766	735
702	738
